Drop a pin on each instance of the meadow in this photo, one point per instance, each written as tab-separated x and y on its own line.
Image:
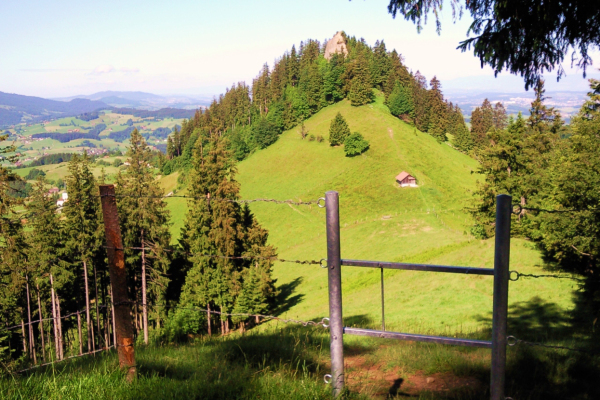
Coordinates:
379	221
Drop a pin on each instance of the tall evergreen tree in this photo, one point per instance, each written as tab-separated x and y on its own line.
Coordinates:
482	120
83	230
438	115
421	102
360	91
144	221
400	102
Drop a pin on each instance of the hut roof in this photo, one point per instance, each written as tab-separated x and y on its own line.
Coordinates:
402	175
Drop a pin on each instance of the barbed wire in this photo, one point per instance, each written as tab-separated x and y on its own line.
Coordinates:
65	359
320	202
49	319
306	262
513	341
204	310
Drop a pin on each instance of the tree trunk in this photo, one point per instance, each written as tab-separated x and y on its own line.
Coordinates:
112	311
57	352
41	322
79	333
60	332
97	306
144	304
24	338
90	329
31	340
256	319
208	315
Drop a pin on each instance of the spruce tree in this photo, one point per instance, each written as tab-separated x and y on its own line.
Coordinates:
421	102
332	82
83	230
482	120
360	91
338	130
144	221
438	118
462	137
400	102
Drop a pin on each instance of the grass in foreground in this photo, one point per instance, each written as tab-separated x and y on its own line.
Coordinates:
276	362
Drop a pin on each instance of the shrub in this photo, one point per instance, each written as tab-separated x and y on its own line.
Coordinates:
320	138
338	130
355	144
311	138
34	173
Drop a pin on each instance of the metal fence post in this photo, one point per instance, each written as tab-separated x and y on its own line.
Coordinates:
382	303
500	312
336	324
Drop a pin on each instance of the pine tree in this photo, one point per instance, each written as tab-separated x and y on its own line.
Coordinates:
500	119
144	221
438	118
293	67
380	65
421	102
462	137
400	102
338	130
332	81
482	120
83	230
360	91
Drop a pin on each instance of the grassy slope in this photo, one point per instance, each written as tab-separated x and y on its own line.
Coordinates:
382	222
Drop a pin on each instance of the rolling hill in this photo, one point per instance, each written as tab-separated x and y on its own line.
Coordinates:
16	108
380	221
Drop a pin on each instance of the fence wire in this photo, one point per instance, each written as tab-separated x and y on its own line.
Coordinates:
513	341
518	209
320	202
306	262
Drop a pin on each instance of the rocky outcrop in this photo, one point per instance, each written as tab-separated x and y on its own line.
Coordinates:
337	44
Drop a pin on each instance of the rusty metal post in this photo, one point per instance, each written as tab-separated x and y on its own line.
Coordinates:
500	311
116	267
334	265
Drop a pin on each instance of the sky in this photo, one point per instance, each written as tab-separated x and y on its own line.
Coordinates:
64	48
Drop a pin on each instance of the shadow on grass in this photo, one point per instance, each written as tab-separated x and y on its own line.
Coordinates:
286	298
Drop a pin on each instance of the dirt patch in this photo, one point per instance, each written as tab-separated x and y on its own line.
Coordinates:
370	377
391	133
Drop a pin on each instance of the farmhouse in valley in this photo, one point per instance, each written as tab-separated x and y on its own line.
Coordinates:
405	179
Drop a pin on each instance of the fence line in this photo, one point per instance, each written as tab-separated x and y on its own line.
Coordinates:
274	258
65	358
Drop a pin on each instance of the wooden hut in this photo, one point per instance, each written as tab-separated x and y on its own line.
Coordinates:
405	179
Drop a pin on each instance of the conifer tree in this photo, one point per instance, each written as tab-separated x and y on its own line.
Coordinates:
360	91
338	130
380	65
400	102
293	67
462	137
482	119
83	230
332	81
421	102
500	119
144	221
438	118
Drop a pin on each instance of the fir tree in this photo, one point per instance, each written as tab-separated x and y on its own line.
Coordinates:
144	221
400	102
338	130
421	102
462	137
360	91
438	118
83	230
332	81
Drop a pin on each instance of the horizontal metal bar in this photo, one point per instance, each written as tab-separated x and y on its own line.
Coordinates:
418	338
419	267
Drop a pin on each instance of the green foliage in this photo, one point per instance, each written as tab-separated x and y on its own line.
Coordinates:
332	81
400	101
338	130
34	173
355	144
360	88
265	133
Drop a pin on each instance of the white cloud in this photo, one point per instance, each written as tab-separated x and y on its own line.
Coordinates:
103	69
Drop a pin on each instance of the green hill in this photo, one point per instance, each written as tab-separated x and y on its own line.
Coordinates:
380	221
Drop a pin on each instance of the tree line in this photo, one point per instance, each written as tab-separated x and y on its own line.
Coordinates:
303	81
53	260
552	171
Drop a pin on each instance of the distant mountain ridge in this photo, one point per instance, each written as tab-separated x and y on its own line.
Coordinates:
142	100
15	108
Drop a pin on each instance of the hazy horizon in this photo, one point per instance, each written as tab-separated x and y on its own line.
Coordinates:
68	48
